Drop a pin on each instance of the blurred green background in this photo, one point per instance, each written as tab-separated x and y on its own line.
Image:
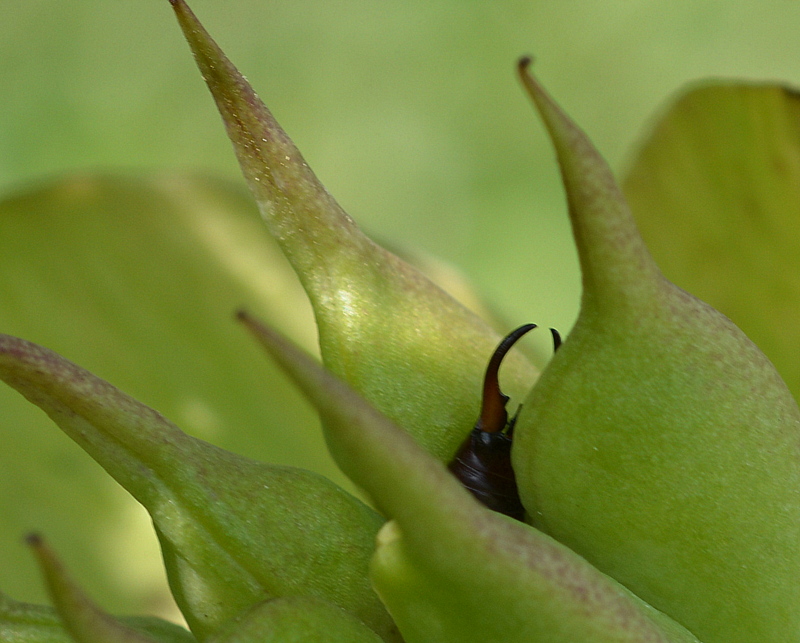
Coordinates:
411	115
410	112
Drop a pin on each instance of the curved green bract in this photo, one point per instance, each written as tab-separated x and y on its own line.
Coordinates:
233	531
448	569
660	443
137	278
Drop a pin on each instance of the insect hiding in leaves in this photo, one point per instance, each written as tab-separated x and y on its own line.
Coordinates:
483	461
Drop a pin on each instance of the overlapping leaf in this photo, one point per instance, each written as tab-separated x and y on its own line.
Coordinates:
233	531
716	192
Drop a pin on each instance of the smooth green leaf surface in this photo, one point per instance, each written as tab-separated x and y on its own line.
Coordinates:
408	112
55	121
296	619
716	192
507	583
233	531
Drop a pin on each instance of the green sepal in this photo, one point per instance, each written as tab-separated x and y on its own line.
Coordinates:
660	443
448	569
296	619
401	341
233	531
28	623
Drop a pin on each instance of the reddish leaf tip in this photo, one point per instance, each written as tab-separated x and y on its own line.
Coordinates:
250	322
34	539
524	62
182	10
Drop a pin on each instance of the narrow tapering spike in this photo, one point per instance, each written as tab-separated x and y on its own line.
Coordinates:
82	618
616	267
383	326
659	417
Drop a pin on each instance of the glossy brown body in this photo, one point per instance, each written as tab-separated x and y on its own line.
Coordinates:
483	465
483	461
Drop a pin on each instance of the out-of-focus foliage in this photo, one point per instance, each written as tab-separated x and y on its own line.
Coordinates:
409	112
716	190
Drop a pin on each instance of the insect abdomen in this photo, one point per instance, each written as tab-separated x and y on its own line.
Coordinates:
483	465
483	461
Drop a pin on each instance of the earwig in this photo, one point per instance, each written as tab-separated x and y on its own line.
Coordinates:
483	461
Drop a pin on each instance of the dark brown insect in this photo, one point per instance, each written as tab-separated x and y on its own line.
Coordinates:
483	461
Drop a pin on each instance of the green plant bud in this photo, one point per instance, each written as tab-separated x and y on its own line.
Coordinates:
233	531
27	623
660	443
383	326
449	569
84	620
296	619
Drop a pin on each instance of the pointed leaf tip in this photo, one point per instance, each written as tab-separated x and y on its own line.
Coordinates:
84	620
297	209
615	264
383	326
373	451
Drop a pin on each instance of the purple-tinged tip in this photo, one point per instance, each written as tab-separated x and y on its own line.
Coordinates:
524	62
34	539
